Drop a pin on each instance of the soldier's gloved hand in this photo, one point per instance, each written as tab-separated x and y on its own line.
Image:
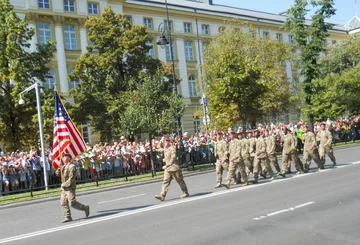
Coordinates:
164	167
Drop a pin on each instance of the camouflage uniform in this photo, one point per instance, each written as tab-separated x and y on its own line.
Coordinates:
261	157
310	151
235	162
270	150
325	147
245	154
221	151
67	174
172	170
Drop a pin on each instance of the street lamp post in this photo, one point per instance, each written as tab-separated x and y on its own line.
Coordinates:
36	86
163	42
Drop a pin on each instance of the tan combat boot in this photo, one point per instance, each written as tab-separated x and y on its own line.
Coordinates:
67	219
218	185
87	211
245	183
185	194
227	184
160	197
274	177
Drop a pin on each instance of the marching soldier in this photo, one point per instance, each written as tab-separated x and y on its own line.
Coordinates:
171	170
298	163
325	139
261	157
235	160
221	151
270	150
67	173
310	149
245	154
252	146
288	154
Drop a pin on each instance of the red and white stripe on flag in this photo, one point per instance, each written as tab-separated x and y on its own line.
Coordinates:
67	139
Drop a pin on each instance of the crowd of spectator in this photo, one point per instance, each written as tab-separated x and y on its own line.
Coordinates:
22	170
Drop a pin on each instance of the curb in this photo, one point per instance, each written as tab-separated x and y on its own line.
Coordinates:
84	193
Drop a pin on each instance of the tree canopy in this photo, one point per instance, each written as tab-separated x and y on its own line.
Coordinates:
312	40
19	68
117	54
244	76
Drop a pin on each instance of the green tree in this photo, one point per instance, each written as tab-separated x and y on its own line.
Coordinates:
117	55
154	107
340	57
244	77
311	41
337	94
18	69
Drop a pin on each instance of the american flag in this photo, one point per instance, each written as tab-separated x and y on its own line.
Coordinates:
67	139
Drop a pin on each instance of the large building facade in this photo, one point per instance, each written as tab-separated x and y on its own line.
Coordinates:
193	24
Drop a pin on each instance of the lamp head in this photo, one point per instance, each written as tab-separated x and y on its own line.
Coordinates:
21	101
162	41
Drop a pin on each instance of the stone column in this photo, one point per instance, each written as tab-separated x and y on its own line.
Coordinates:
183	68
60	53
32	19
83	36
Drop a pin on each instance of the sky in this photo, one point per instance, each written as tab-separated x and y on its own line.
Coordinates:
346	9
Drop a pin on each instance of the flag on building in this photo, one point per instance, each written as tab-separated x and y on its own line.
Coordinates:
67	139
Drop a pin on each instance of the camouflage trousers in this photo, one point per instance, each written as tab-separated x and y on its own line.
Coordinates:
289	157
220	167
168	176
311	155
323	151
257	167
68	196
233	169
274	161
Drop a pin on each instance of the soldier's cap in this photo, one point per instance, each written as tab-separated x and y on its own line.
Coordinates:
219	133
240	132
232	132
323	123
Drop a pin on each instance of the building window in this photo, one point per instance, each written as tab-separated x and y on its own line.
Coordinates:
151	51
44	4
279	37
73	84
70	38
148	23
50	80
168	51
44	33
86	133
205	29
189	51
93	8
192	86
197	125
128	18
266	35
69	6
291	39
170	25
187	27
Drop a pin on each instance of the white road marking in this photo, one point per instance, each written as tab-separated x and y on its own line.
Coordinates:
119	199
283	211
160	206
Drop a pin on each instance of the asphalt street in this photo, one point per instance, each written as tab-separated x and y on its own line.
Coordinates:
316	208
